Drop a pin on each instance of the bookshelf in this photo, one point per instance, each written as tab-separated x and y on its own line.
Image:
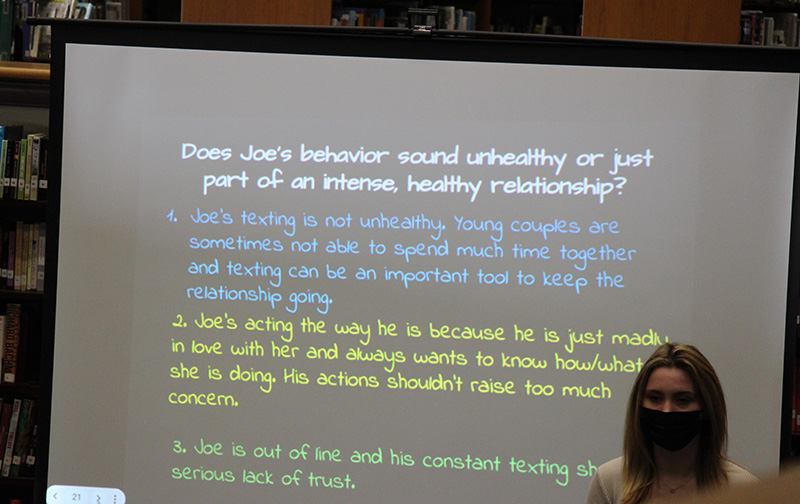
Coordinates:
24	100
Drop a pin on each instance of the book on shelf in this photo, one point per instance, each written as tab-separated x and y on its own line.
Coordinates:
16	335
23	437
3	151
358	16
44	144
27	469
40	49
750	27
20	160
453	18
7	249
22	255
6	28
35	142
786	29
24	41
5	419
24	31
13	168
11	438
7	150
764	28
23	164
9	135
83	10
449	17
18	433
5	422
9	178
11	342
40	258
117	10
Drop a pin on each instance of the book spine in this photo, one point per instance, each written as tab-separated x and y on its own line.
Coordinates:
6	28
3	150
23	169
4	254
29	463
28	167
14	172
11	342
35	160
12	436
28	11
5	421
12	246
42	193
23	438
19	256
32	262
40	267
8	167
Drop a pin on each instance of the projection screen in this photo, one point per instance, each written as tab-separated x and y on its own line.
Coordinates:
331	266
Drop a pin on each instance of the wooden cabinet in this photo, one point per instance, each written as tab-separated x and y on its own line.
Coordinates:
293	12
711	21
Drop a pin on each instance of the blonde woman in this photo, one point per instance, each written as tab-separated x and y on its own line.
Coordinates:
676	432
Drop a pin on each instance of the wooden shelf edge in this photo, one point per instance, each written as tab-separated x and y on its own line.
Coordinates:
20	70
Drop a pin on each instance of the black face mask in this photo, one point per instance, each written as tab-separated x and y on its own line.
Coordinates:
671	431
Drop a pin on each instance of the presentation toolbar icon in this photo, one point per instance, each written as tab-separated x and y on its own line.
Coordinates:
62	494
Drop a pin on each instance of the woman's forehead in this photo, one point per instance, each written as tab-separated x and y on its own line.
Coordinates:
670	379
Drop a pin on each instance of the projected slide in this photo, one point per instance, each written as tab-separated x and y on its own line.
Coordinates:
289	278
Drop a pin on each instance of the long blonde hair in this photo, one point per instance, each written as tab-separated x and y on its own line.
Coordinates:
639	472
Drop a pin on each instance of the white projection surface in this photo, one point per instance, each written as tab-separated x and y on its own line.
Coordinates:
299	278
